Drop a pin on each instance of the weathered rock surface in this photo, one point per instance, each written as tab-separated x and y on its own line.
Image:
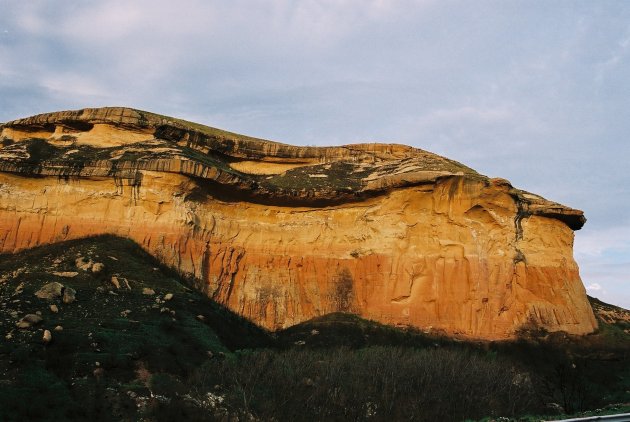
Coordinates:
69	295
29	320
281	234
50	291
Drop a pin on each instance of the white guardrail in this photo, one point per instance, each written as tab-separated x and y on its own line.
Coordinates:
624	417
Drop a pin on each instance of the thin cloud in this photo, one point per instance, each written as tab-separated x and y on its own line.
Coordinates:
597	243
594	287
619	53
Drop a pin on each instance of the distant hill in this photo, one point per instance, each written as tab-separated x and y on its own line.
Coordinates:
611	314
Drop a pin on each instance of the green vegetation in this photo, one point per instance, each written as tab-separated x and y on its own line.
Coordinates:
108	333
158	119
138	354
339	176
213	148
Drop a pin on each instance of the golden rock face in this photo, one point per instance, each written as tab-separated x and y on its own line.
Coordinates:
281	234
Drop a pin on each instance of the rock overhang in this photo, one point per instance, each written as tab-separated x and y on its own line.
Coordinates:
279	233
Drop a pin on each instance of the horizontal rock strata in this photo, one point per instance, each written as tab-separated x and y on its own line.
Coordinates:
281	234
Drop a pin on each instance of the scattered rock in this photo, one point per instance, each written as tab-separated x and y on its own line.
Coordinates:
14	314
50	291
12	275
210	354
58	328
69	295
111	292
126	283
168	296
147	291
98	267
555	407
66	274
300	343
47	337
9	336
32	318
19	289
54	308
125	313
28	321
84	265
201	317
39	313
308	382
115	282
314	332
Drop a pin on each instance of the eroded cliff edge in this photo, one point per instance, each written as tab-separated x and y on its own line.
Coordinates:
281	234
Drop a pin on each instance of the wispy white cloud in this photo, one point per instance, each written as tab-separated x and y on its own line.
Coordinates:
603	255
594	287
601	241
466	113
619	52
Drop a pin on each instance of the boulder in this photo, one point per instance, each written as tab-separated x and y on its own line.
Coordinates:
98	267
66	274
69	295
28	321
50	291
83	264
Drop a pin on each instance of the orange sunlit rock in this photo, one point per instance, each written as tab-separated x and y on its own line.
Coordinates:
281	234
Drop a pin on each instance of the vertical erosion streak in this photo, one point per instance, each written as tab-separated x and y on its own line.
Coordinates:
521	213
205	268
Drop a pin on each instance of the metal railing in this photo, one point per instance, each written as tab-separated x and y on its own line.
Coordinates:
623	417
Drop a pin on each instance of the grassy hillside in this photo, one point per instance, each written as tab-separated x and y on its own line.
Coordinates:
121	338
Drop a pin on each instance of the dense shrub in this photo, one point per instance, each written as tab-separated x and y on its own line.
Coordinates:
377	383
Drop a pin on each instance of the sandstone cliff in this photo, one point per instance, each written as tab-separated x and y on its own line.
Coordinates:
281	234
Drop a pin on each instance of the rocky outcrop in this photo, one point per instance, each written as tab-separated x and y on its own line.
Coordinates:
281	234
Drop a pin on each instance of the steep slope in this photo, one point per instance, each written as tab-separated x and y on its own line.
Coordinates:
611	314
280	234
130	323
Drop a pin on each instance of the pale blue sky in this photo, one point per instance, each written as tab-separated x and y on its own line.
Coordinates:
537	92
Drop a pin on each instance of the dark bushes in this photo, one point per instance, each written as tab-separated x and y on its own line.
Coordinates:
377	383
